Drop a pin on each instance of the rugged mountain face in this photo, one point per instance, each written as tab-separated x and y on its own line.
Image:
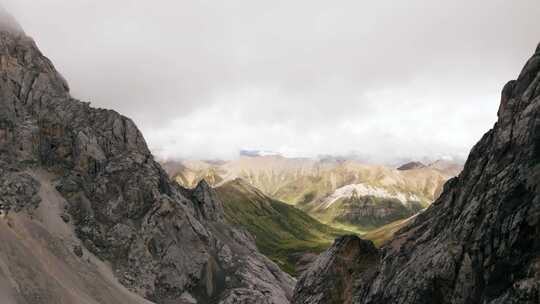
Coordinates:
81	191
344	194
331	278
282	232
478	243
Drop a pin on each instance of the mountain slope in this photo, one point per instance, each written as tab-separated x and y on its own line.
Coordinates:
363	208
382	235
478	243
282	232
105	210
38	259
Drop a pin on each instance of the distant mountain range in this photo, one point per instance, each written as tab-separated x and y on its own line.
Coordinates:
346	194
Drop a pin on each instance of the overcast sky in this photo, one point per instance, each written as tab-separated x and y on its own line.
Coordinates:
203	79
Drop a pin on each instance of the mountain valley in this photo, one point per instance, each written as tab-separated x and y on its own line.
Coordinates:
88	214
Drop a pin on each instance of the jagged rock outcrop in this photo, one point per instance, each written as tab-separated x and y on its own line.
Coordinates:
208	202
331	277
18	191
478	243
165	243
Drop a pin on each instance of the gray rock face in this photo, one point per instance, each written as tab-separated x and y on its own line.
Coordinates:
210	205
478	243
18	191
332	277
165	243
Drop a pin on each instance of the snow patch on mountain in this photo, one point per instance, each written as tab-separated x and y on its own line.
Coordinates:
366	190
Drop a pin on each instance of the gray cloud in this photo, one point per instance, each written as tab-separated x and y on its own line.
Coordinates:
206	78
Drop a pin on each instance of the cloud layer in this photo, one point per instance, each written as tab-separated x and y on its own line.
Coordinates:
204	79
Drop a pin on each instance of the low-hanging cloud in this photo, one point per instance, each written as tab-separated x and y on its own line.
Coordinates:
203	79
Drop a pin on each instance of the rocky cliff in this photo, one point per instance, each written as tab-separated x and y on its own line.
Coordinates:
478	243
84	180
332	276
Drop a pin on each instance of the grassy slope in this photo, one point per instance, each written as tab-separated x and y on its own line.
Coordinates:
281	231
385	233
